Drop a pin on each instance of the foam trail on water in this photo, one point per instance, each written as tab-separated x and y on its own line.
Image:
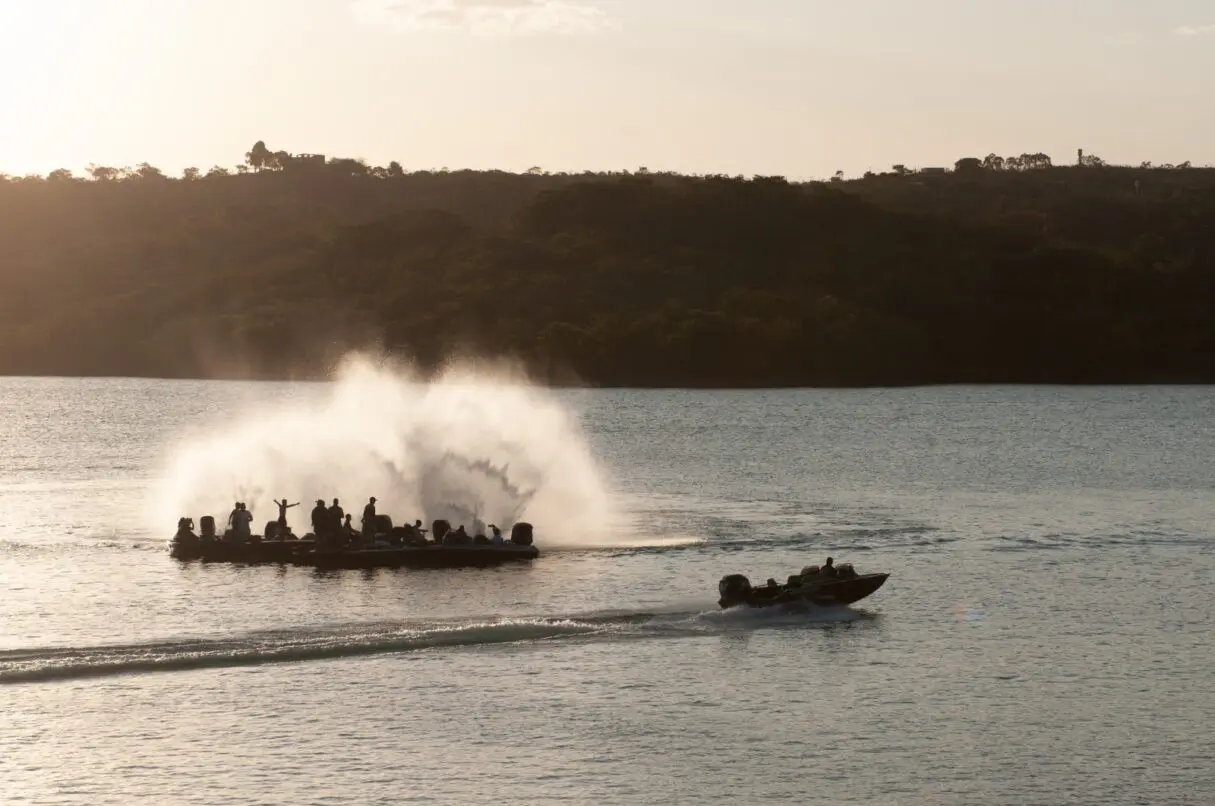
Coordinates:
39	665
471	443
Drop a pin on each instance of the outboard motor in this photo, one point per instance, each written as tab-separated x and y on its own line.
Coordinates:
383	525
521	534
438	529
272	530
734	585
185	543
206	525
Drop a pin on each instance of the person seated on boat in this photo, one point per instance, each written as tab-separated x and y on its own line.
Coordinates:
828	568
497	538
457	538
348	531
415	535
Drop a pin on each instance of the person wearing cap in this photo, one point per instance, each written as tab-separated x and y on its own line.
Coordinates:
321	527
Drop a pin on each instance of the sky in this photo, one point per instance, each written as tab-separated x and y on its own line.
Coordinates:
800	88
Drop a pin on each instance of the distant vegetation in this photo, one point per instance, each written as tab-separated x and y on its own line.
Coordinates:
1000	269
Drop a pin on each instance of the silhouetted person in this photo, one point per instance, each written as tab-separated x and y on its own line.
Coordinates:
338	514
414	533
322	523
242	520
829	568
369	519
283	506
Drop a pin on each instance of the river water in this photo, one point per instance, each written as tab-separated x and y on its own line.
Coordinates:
1043	638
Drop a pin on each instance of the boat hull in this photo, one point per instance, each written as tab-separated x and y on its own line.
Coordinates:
303	552
253	553
419	557
824	593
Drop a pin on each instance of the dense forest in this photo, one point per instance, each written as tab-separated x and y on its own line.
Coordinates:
1000	269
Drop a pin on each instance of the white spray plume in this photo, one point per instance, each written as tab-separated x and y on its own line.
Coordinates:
471	443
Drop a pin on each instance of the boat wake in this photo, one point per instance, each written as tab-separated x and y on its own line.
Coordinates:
351	641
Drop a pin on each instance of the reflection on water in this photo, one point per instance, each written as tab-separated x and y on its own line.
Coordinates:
1046	619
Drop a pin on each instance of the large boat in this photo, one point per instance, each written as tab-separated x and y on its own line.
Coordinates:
831	585
393	547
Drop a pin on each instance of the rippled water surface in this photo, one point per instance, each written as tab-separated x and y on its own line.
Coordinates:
1043	638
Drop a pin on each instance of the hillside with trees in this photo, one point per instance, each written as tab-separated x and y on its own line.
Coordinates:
1001	269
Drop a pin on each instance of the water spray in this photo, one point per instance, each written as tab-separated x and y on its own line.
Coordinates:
470	444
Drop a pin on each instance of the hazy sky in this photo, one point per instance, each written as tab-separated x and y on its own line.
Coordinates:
794	87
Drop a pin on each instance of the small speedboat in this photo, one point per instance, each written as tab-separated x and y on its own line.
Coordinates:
834	585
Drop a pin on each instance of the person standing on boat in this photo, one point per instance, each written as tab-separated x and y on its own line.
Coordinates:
337	514
241	523
321	526
235	517
283	506
369	520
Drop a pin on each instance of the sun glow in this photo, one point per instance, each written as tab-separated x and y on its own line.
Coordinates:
68	65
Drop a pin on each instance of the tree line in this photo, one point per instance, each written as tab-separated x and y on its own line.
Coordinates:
1001	270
